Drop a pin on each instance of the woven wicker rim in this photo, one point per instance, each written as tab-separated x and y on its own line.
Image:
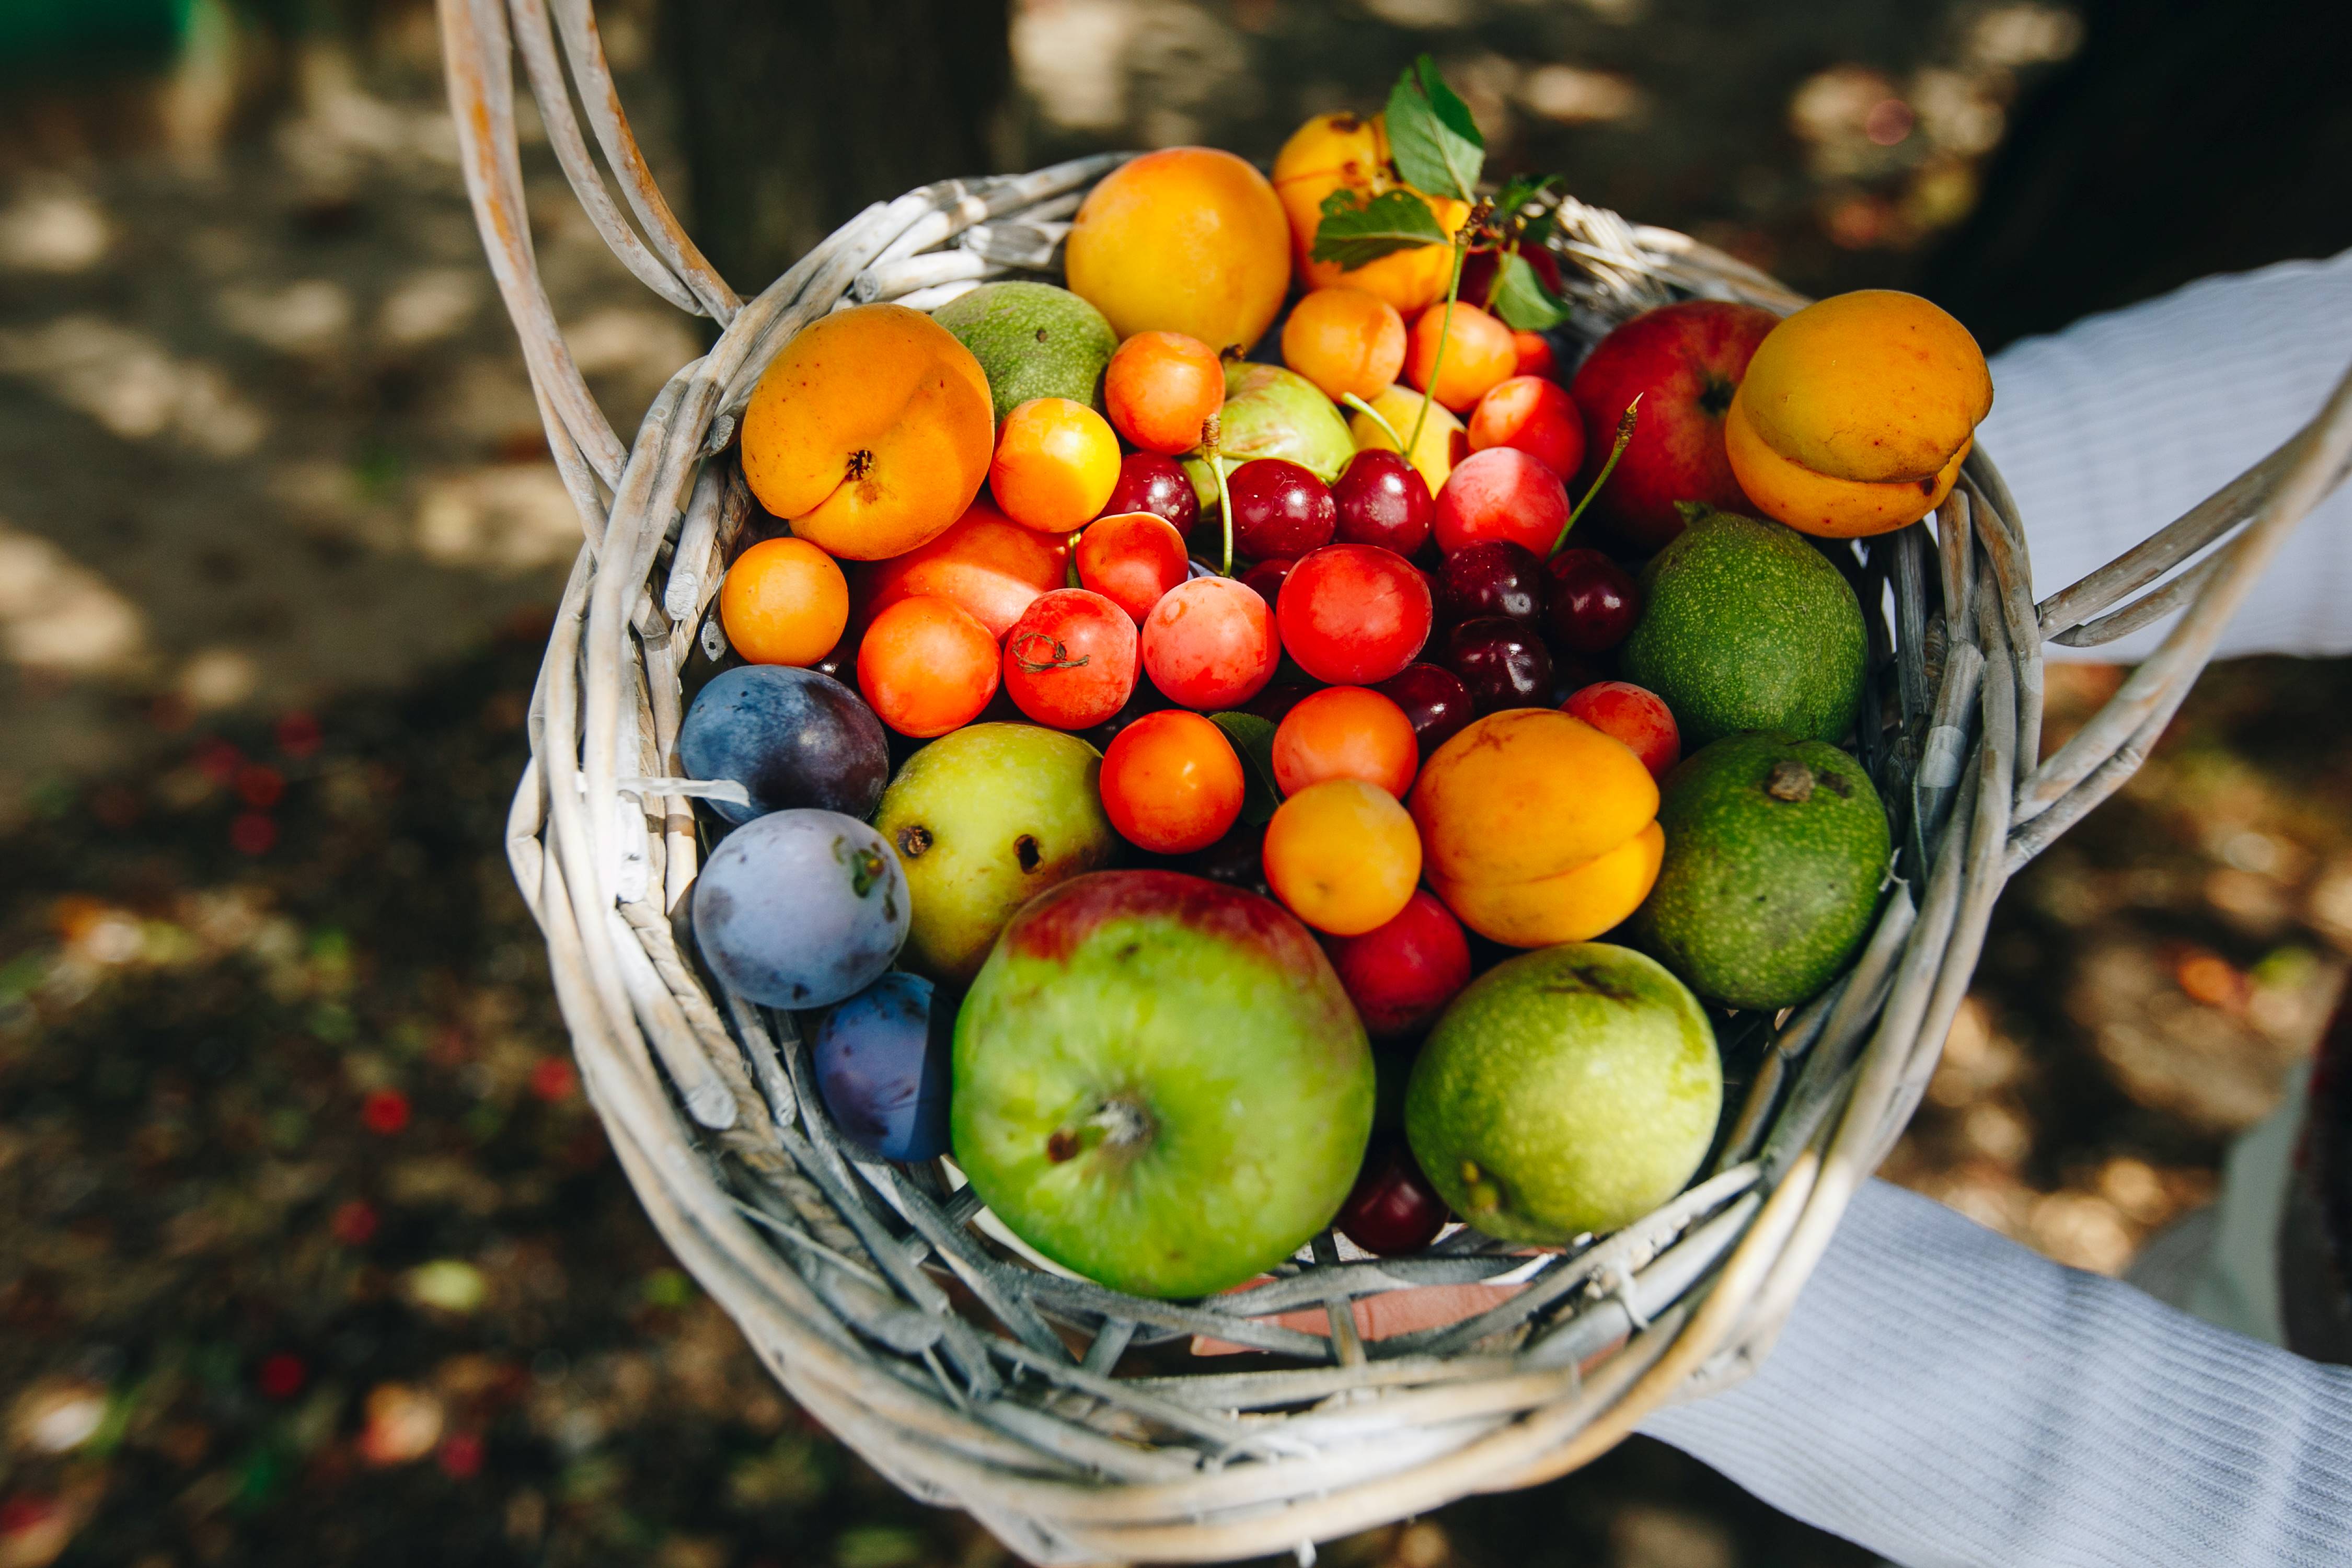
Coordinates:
872	1293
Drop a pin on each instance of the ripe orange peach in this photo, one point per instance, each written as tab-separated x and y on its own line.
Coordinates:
1575	905
1344	340
870	432
1877	386
1057	462
1160	388
1817	504
1479	354
986	562
1528	792
1335	151
1188	239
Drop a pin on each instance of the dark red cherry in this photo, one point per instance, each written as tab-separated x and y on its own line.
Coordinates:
1150	482
1382	499
1435	700
1591	603
1267	575
1280	508
1502	662
1490	577
1392	1209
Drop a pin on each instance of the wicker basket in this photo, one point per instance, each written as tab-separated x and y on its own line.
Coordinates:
883	1302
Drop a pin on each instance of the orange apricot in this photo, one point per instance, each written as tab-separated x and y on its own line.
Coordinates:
1160	387
1056	463
1336	151
1345	732
1342	856
1877	387
1479	354
1528	792
784	602
1172	783
870	432
1187	239
1817	504
926	666
1575	905
1344	340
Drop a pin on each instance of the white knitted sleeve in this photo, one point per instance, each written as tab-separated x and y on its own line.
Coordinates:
1945	1398
2112	429
1941	1394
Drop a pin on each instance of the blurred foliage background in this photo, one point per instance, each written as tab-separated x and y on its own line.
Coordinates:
313	1252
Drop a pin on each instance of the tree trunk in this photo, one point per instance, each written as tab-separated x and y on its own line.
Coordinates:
795	114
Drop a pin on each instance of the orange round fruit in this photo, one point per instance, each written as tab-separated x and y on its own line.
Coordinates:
1160	388
1172	783
1817	504
1877	386
1190	240
870	432
926	666
1528	793
1575	905
1480	353
784	602
1345	341
1349	151
1345	732
1056	463
1342	856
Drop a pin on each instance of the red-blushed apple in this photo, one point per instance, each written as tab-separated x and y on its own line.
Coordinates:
1501	493
1683	362
1535	415
1159	1082
1633	714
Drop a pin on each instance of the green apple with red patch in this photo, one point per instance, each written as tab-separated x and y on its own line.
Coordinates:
1159	1082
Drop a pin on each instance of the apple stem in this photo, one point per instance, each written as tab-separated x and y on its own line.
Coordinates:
1377	418
1445	330
1625	434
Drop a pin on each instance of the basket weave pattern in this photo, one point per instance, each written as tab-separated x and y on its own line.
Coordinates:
875	1295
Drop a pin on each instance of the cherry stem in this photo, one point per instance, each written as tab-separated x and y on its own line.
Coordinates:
1444	330
1377	418
1212	435
1625	434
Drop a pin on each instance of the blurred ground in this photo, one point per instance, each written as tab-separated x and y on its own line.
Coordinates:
316	1253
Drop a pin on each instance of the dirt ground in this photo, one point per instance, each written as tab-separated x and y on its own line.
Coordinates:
316	1253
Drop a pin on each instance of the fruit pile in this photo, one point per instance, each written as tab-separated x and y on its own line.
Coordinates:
1054	581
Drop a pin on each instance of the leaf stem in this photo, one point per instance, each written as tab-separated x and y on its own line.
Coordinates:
1625	434
1377	418
1445	330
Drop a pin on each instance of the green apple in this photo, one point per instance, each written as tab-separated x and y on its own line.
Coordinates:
1570	1089
1271	412
1159	1083
984	819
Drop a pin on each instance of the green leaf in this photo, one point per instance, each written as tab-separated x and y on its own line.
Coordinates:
1519	191
1435	142
1253	739
1354	231
1522	300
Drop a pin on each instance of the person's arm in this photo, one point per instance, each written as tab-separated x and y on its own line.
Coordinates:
2110	429
1943	1395
1945	1398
